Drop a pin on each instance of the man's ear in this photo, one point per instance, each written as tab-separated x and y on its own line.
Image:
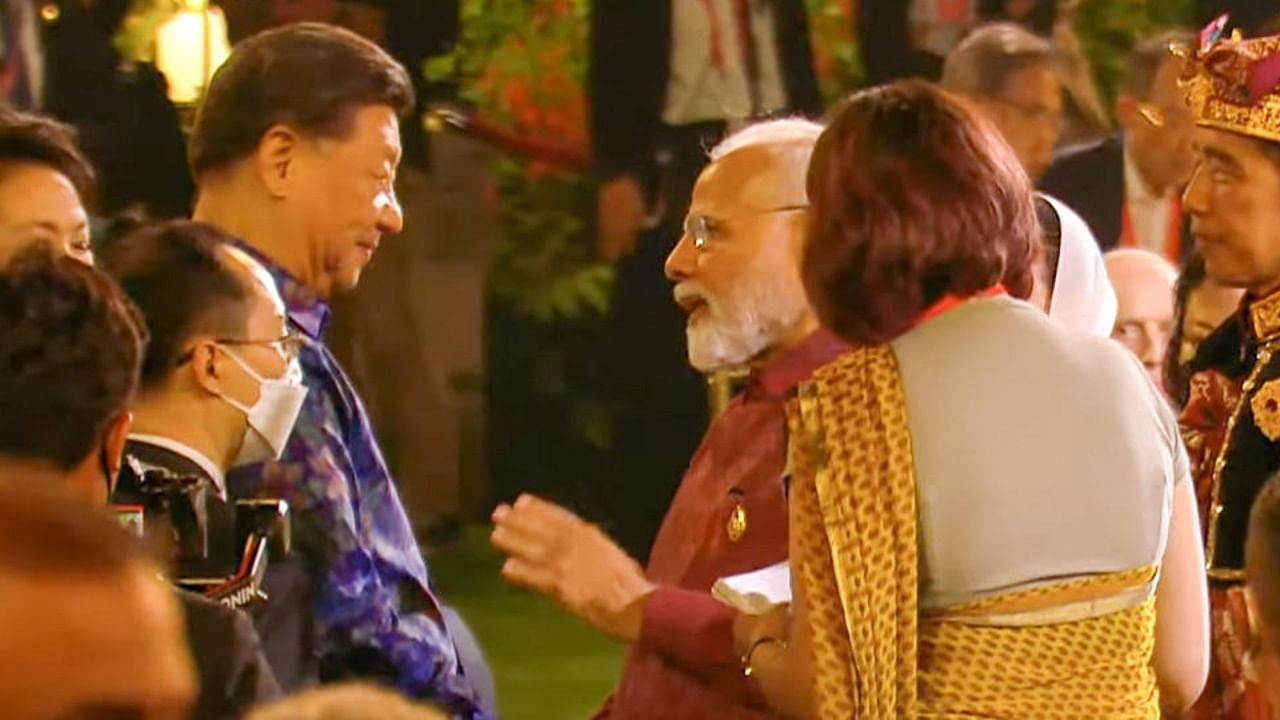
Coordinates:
206	368
276	156
113	441
1128	113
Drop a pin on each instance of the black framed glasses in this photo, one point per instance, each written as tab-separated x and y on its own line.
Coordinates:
288	345
702	227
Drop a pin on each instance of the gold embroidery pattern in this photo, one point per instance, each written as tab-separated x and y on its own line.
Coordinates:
1266	410
1220	464
1264	315
1216	85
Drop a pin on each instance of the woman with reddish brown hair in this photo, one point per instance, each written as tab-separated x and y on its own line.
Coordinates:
990	514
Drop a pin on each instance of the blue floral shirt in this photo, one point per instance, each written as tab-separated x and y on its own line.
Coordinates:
374	608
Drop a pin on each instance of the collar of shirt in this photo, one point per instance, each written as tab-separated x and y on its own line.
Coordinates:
1136	190
795	364
210	467
306	309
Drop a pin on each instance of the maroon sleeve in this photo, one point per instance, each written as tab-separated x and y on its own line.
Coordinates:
690	628
694	631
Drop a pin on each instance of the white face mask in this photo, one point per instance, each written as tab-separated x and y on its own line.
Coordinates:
272	417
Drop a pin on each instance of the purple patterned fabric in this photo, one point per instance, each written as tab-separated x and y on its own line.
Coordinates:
375	612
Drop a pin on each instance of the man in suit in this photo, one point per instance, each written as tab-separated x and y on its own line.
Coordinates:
71	347
1010	75
666	81
1127	186
215	392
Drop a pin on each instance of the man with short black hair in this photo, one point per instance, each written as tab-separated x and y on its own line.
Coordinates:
219	388
1011	75
1126	186
1231	422
71	348
45	183
294	150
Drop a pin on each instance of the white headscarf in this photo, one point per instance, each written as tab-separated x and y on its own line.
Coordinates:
1083	298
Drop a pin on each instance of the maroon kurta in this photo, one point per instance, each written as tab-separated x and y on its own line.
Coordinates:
684	666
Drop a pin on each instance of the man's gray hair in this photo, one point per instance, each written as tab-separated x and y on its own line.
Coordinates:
784	131
982	64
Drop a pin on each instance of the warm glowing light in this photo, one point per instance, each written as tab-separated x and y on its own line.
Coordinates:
189	47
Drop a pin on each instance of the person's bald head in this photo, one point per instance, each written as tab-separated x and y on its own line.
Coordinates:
737	265
1143	282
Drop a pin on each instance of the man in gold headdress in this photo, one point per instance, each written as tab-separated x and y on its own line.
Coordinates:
1232	420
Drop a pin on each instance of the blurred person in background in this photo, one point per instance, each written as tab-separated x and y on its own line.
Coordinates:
1262	569
1011	75
1200	304
1143	282
71	349
45	183
124	119
350	701
90	628
1128	186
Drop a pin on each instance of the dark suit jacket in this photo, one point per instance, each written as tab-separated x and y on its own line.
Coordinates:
234	675
284	622
631	62
1090	179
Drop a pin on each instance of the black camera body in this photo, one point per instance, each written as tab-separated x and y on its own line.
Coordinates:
216	548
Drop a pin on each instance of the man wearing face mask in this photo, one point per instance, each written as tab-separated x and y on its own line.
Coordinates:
71	345
220	388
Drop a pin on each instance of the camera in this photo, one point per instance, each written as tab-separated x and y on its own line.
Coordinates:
215	548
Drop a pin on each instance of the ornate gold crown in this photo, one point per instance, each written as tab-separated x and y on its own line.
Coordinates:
1231	84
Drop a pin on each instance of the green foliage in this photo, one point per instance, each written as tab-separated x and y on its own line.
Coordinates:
522	64
836	57
1108	29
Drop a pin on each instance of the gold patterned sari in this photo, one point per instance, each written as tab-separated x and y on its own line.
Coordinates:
1078	649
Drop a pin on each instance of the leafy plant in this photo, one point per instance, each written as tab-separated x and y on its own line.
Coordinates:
835	51
521	64
1108	30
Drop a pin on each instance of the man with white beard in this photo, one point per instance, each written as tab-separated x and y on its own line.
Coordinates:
736	274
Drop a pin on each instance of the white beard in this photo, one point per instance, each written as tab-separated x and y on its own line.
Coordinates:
734	330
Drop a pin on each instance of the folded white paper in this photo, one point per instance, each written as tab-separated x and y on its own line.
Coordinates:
755	592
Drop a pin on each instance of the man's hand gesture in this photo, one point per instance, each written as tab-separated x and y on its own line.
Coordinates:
558	554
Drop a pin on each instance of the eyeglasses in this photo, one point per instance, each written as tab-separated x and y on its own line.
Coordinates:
288	345
1038	114
1159	117
702	227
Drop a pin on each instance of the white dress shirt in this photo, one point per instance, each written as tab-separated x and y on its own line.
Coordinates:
698	90
1149	214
